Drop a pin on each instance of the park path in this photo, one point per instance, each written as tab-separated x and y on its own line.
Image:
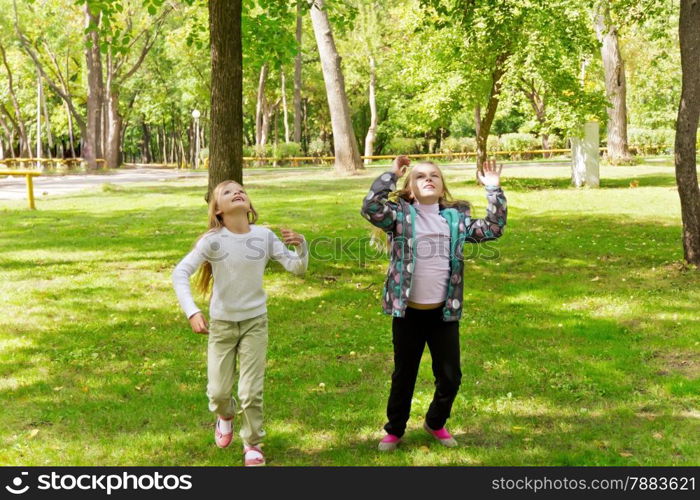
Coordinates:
14	188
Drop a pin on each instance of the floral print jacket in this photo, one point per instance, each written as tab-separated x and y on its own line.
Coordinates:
397	219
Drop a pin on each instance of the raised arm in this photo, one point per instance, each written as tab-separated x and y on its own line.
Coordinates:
491	226
376	207
295	262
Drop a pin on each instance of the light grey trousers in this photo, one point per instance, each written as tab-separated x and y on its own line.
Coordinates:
243	342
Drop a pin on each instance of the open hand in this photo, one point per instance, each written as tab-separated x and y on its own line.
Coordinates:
490	173
400	165
199	323
291	238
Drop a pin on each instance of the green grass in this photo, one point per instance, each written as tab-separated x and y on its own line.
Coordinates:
580	343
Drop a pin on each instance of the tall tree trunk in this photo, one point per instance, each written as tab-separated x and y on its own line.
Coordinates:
226	143
615	85
347	156
261	108
687	129
47	121
372	131
114	130
146	156
539	107
297	80
17	121
284	107
484	122
93	129
38	120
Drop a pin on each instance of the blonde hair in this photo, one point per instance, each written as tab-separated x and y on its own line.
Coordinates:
378	237
203	278
445	200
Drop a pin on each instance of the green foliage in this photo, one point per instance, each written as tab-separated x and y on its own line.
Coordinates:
651	141
404	145
519	142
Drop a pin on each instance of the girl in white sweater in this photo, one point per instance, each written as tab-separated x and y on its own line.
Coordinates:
233	254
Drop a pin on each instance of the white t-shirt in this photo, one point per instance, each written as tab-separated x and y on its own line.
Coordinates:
238	262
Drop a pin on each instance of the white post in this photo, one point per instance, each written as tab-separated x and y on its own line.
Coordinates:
195	115
585	164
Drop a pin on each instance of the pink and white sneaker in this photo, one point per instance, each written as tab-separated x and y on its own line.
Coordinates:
253	456
444	437
389	443
222	440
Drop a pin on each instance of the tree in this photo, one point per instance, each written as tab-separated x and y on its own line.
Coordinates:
687	129
483	46
226	143
615	84
347	156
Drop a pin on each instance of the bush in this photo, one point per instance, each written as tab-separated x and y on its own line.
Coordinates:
458	145
287	150
317	147
404	146
493	144
651	141
520	142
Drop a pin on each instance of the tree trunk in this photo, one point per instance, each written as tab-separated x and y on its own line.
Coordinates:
615	86
687	129
484	122
297	80
226	143
38	120
146	156
113	119
93	129
261	127
17	121
47	121
372	131
284	108
347	156
539	107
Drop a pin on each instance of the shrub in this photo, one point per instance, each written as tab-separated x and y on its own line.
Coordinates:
458	145
651	141
404	145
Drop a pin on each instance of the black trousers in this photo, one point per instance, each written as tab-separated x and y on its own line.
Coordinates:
410	334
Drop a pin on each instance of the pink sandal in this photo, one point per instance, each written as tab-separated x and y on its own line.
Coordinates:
222	440
253	456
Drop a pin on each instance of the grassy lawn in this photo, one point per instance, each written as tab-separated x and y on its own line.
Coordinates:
580	345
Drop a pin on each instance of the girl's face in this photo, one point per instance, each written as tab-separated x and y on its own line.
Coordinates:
232	197
426	184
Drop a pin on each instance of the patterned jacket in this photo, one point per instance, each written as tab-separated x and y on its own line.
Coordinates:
397	219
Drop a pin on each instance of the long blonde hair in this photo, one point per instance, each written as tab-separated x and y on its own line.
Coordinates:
203	278
378	237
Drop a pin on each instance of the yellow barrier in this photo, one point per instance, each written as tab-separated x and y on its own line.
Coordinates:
27	162
28	174
296	159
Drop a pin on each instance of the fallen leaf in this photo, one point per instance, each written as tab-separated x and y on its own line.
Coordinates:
625	454
33	433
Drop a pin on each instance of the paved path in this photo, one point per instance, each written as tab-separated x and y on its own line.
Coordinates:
13	188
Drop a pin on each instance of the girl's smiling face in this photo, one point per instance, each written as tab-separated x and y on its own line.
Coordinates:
426	184
232	197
